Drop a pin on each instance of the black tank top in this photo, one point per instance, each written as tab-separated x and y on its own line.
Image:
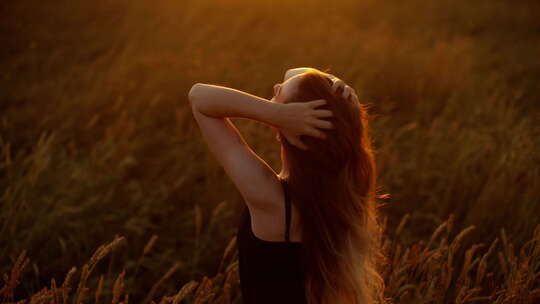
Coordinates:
270	271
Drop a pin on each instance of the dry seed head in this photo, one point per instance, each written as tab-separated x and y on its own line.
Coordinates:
468	257
16	271
103	250
204	292
456	243
492	247
402	224
55	291
164	300
218	209
450	224
436	233
503	263
229	278
99	288
405	256
96	254
150	244
42	296
481	270
82	283
230	247
65	285
184	291
461	235
160	281
118	287
202	287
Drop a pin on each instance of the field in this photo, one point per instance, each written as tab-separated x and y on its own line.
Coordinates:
97	140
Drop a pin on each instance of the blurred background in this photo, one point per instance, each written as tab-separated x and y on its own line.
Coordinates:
97	139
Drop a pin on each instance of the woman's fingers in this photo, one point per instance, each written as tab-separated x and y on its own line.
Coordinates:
323	113
350	93
337	84
316	133
324	124
346	92
321	123
317	103
297	142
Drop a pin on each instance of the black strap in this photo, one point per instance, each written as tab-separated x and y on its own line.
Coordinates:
287	210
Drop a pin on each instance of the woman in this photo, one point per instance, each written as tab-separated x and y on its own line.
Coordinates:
308	234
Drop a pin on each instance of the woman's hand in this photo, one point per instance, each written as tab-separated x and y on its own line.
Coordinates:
348	92
302	118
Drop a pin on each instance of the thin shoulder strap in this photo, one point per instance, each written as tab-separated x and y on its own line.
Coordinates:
287	210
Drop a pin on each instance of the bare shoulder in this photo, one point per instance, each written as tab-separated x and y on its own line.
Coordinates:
269	224
272	191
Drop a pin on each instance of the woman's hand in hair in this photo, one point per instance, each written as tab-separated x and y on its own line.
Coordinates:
348	92
302	118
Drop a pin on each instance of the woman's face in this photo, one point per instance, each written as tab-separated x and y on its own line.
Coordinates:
285	90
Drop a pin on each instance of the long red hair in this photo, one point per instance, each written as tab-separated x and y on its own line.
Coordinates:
333	186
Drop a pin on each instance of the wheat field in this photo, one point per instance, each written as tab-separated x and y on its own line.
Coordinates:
98	148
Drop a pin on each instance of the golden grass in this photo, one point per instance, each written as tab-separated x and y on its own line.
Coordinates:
416	273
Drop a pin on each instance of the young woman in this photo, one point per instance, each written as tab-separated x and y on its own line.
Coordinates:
309	234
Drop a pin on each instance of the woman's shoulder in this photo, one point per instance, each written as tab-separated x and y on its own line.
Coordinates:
268	201
269	224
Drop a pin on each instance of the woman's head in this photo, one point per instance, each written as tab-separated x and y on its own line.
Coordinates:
333	187
343	142
283	92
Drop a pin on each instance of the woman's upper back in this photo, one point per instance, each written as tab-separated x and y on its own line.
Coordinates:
272	226
270	271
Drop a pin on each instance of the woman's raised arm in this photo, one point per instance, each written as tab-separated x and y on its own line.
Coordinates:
217	101
213	105
294	119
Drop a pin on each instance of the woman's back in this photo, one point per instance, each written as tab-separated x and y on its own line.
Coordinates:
270	271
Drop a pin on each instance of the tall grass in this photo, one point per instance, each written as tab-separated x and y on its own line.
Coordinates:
422	272
96	138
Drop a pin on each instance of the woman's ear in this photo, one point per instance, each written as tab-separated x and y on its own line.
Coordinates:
276	89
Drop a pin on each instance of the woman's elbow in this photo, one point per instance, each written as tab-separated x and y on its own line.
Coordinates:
194	95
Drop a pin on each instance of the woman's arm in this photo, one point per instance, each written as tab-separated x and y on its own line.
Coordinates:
254	178
293	119
217	101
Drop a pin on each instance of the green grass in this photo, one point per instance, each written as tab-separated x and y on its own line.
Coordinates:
96	138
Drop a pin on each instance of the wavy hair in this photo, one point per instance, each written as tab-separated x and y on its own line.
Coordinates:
333	186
